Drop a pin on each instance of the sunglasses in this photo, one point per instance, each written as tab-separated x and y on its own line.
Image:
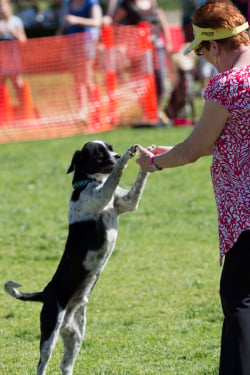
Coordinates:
199	50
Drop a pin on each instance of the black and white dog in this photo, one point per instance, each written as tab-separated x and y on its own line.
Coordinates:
94	207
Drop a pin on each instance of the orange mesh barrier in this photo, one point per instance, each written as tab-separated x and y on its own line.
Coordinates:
177	37
114	76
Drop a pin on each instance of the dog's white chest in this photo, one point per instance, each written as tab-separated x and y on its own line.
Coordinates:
96	260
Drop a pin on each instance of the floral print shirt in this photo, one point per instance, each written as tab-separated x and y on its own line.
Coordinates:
230	169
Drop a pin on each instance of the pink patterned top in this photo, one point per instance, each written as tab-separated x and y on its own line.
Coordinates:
230	169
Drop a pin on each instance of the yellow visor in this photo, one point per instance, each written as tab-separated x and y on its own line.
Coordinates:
205	33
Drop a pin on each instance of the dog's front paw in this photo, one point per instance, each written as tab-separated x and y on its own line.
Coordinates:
133	150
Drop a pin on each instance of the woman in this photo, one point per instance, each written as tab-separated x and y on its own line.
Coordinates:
83	16
223	130
132	12
11	28
188	8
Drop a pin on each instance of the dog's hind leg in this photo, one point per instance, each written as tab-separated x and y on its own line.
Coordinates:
72	333
51	320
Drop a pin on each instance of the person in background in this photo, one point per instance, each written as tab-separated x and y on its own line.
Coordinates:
62	13
83	16
109	7
188	8
11	28
223	130
132	12
204	69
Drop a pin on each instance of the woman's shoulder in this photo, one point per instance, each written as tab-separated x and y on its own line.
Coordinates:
231	74
225	85
231	79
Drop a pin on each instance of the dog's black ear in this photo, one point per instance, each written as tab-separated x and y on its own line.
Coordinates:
76	158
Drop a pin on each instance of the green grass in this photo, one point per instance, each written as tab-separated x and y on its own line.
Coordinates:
170	4
155	309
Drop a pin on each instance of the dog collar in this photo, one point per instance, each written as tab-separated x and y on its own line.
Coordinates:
85	182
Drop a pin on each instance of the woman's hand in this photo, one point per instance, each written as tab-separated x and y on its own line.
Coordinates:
144	160
157	150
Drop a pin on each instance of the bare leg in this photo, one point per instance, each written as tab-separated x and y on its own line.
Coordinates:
18	84
84	85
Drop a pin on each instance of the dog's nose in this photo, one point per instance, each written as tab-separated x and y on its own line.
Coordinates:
117	156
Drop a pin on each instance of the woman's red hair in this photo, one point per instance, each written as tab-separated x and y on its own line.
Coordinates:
217	14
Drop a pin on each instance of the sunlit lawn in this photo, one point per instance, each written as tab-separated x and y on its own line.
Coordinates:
156	309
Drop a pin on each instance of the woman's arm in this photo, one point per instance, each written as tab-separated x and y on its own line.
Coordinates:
119	14
18	32
165	28
112	4
199	143
22	35
95	20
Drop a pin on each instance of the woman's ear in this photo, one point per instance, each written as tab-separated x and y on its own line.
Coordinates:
215	47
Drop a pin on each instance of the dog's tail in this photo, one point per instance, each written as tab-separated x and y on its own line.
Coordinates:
10	288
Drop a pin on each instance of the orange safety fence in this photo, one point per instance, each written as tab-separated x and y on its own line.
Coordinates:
177	38
62	76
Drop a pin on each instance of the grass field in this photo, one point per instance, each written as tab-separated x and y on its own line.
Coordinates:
155	309
170	4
